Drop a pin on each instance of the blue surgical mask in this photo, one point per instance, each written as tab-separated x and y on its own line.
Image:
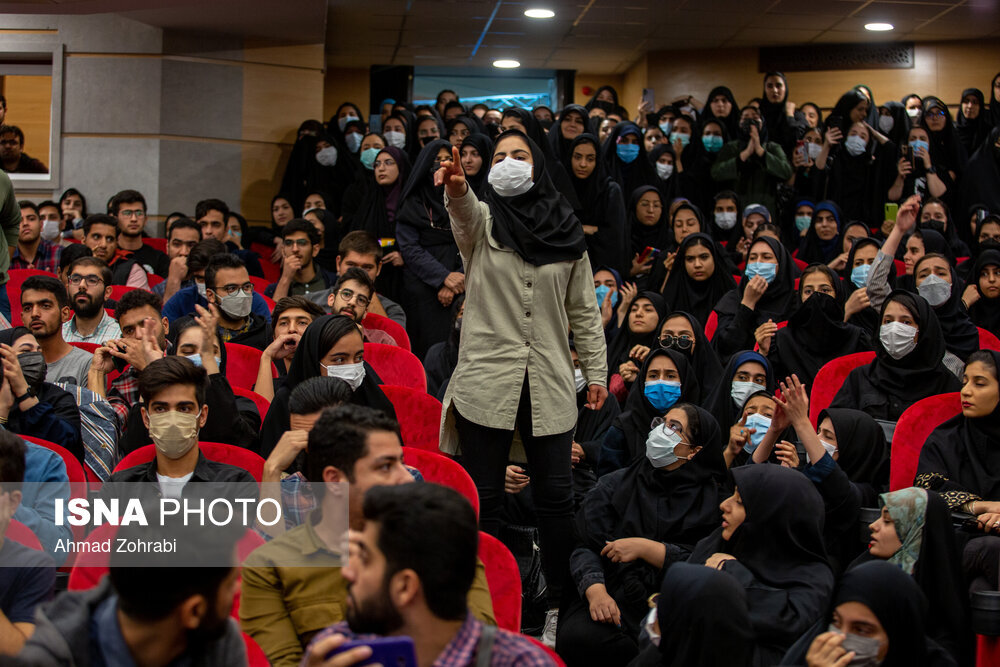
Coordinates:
712	143
765	270
662	394
368	156
802	222
859	274
602	293
660	446
685	139
665	128
342	122
917	144
353	141
196	359
760	424
627	153
855	145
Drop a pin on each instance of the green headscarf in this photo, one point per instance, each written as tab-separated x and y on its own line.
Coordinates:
908	509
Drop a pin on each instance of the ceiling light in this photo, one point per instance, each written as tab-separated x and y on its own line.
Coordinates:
878	27
539	13
506	64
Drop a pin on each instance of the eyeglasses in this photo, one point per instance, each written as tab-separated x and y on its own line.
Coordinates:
290	243
229	290
384	163
347	295
92	281
128	213
676	342
931	113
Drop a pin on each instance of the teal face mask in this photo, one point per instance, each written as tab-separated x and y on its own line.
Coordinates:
368	156
685	139
712	143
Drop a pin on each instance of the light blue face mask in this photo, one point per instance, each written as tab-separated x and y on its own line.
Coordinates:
662	394
196	359
760	424
665	128
342	122
685	139
855	145
353	141
859	274
740	390
917	144
368	156
712	143
802	222
765	270
627	153
602	293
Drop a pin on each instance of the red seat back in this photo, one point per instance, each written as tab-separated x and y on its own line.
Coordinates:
24	536
263	405
440	469
830	378
268	300
154	279
504	581
556	659
987	340
711	324
396	366
987	651
260	284
118	291
255	654
74	469
398	333
912	429
419	416
155	243
16	278
242	362
271	270
900	267
799	263
219	452
86	347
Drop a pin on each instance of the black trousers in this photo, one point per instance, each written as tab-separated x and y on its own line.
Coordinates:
485	454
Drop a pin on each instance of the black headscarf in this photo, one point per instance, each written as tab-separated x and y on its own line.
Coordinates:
816	333
421	202
637	415
538	225
933	242
609	107
333	125
845	105
973	131
813	249
484	146
981	181
887	386
857	245
379	206
409	121
960	334
668	187
532	128
682	292
625	339
985	312
900	131
720	403
602	206
780	301
777	125
866	92
947	152
657	236
630	175
863	454
705	363
730	123
950	232
994	102
561	147
305	365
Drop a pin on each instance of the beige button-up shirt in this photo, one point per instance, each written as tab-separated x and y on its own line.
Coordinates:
517	320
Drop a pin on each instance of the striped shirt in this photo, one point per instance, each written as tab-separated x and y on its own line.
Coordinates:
107	329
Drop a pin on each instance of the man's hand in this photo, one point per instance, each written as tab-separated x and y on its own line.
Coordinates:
455	281
515	479
291	266
596	395
178	269
103	360
288	447
445	296
283	346
316	653
395	258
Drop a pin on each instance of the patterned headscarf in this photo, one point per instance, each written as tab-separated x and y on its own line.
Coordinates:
908	509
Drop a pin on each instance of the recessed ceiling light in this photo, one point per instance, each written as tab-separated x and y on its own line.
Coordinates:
506	64
539	13
878	27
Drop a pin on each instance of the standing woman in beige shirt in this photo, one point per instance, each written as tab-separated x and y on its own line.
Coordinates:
528	282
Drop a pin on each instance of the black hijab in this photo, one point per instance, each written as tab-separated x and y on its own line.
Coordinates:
900	131
561	147
379	207
845	105
720	403
609	107
946	147
981	181
985	312
629	175
780	301
625	339
305	365
933	242
638	414
484	146
960	334
994	102
730	123
538	225
657	236
668	187
972	131
863	452
333	125
705	363
857	245
422	203
532	128
816	333
601	206
592	192
682	292
813	249
949	231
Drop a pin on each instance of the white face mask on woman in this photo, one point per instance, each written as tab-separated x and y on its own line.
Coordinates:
898	339
511	177
352	374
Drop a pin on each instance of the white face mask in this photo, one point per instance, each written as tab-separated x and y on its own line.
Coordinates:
855	145
174	433
660	446
395	139
327	156
725	219
236	306
830	449
342	122
202	289
511	177
352	374
813	150
935	289
886	123
581	382
913	112
664	171
50	230
898	339
740	390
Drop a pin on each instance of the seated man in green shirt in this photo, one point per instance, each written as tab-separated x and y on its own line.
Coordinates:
292	587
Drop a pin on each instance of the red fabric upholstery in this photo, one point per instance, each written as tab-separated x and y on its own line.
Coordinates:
255	654
711	324
396	366
987	651
268	300
156	244
154	279
242	362
548	651
799	263
830	378
504	580
86	347
398	333
219	452
74	469
262	403
23	535
260	284
118	291
439	469
15	278
912	429
419	416
900	267
271	271
988	341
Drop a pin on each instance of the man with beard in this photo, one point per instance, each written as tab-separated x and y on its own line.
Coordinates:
13	159
228	288
351	296
100	234
153	615
44	306
182	237
300	275
290	319
129	206
89	283
34	252
283	607
408	575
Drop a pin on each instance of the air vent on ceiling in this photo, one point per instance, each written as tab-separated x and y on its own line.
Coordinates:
896	55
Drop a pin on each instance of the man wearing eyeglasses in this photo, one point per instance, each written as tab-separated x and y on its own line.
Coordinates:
88	282
228	288
351	296
129	206
300	275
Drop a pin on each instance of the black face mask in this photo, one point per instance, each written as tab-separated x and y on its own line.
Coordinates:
934	225
33	367
546	123
745	127
607	106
